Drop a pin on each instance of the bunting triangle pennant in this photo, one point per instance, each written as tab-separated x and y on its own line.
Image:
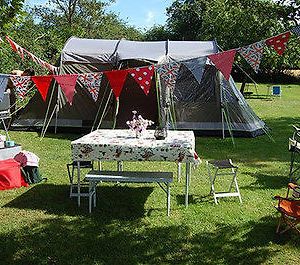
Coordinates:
3	85
42	84
92	82
253	54
67	84
223	61
143	77
21	83
18	49
279	42
196	66
12	44
116	80
169	72
296	30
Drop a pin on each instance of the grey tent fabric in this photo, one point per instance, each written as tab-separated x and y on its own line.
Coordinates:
202	99
79	50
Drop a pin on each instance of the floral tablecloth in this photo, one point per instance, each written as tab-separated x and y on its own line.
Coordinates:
122	145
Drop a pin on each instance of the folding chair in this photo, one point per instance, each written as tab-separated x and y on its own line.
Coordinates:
71	171
294	148
223	168
5	112
289	209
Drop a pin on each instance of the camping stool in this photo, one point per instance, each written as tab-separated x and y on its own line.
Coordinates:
223	168
71	170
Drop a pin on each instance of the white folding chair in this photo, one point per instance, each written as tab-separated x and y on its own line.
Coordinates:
217	168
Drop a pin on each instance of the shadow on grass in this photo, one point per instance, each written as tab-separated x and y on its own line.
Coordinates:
113	202
90	241
267	181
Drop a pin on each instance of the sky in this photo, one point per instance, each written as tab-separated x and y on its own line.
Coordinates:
142	14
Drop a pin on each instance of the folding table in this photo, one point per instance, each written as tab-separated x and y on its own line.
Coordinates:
122	145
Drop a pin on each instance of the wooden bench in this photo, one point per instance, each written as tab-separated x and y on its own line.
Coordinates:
96	176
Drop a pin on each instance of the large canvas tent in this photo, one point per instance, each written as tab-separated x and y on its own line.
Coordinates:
202	99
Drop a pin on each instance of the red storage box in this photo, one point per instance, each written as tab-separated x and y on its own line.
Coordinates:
10	175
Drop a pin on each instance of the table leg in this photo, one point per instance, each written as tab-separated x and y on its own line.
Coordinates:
187	182
179	172
78	183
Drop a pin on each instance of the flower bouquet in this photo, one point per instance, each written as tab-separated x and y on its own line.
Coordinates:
138	124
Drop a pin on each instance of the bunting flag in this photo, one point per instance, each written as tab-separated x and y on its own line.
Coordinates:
143	77
169	72
116	80
92	82
253	54
279	42
196	66
223	61
42	84
67	84
21	83
18	49
3	85
296	30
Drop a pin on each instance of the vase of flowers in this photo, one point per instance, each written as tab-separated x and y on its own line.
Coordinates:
138	124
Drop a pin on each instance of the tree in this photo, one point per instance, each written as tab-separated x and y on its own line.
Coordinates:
235	23
9	9
83	18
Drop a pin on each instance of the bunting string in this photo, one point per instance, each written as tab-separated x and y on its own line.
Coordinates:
143	76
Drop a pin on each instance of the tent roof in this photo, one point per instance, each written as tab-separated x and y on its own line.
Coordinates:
78	50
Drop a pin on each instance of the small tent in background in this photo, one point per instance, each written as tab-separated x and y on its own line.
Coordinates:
202	100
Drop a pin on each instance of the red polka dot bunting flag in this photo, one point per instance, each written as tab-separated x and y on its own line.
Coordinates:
143	77
279	42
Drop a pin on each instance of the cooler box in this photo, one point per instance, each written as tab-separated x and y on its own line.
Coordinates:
10	175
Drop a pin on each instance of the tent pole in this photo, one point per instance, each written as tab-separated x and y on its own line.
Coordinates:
47	112
98	111
51	116
221	105
223	127
56	118
103	113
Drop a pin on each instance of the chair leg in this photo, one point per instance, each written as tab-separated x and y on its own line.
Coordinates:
278	226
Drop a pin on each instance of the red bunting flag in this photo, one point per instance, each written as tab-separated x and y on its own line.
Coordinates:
67	84
18	49
21	83
42	84
223	61
279	42
116	80
143	77
92	82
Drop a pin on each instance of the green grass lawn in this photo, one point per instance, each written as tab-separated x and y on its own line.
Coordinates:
41	225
